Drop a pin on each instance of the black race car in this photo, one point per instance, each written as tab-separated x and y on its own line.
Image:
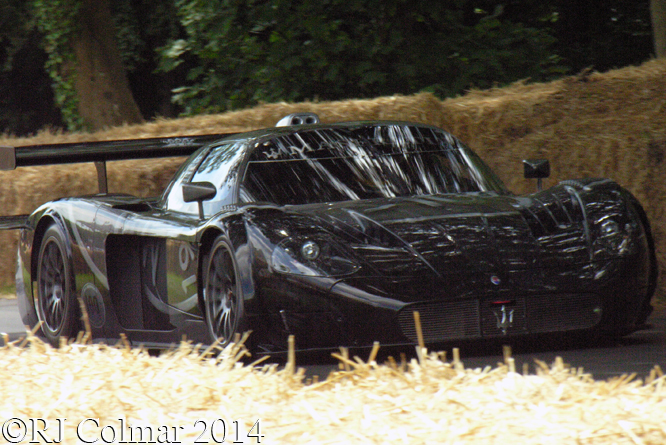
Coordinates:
334	233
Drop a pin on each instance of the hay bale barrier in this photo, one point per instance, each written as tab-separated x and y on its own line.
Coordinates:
591	125
86	393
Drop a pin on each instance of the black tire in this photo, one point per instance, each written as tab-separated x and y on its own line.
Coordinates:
55	302
223	296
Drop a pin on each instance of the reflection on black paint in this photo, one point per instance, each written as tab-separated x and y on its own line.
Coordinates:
335	165
440	234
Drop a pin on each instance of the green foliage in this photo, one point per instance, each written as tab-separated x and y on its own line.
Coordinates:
223	54
141	27
15	27
141	23
604	34
128	33
57	21
26	102
247	51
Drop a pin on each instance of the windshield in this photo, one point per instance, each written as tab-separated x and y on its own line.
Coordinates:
325	165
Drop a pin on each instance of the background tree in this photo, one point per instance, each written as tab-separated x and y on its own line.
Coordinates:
103	92
84	62
658	13
26	97
92	45
603	34
267	50
218	55
143	26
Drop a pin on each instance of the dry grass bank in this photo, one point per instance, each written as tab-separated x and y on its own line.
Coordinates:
432	401
594	124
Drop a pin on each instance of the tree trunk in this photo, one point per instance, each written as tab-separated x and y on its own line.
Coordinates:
658	13
105	99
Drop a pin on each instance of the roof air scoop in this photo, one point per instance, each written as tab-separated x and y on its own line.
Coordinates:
298	119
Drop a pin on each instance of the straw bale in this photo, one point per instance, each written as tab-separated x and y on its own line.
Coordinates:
432	401
590	125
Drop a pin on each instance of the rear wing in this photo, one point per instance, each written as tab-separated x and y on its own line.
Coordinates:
99	153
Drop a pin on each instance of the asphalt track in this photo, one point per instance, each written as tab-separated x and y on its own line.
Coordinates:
10	322
637	353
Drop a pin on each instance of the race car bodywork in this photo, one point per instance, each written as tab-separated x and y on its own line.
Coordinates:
336	234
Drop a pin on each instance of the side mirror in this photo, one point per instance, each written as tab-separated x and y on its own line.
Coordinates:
536	168
199	192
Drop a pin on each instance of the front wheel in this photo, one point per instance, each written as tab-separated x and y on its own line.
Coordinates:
55	303
223	299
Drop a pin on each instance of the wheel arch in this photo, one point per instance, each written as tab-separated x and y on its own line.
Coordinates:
51	227
238	240
642	215
646	307
207	238
43	224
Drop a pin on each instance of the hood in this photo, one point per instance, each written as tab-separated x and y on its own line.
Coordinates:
454	233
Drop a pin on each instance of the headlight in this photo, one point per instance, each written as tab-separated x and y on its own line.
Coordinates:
310	251
311	256
614	237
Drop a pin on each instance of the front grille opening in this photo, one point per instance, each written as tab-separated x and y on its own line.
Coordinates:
441	321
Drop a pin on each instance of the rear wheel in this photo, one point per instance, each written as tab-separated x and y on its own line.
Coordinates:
55	302
223	299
